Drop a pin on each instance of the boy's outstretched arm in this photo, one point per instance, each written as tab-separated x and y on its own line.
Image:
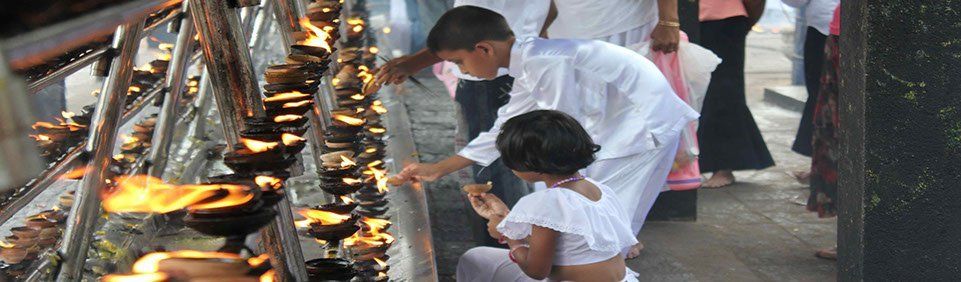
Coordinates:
397	70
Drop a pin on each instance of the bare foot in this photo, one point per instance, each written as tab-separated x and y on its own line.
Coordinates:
803	177
720	179
829	253
635	250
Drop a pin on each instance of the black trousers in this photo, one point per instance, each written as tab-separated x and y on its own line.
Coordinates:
813	61
479	101
728	135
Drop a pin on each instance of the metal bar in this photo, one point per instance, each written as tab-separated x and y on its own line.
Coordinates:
287	15
36	47
70	160
281	241
169	16
176	76
85	211
261	25
228	63
66	70
203	105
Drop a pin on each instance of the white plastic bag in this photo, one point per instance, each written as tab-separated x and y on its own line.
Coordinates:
696	63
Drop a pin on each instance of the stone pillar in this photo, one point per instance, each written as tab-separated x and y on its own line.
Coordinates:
680	205
900	165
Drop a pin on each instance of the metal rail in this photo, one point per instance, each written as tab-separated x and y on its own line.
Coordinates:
103	130
33	48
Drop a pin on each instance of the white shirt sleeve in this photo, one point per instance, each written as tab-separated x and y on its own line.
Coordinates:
550	86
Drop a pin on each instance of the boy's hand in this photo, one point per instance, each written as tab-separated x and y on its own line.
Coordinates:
665	38
421	172
394	72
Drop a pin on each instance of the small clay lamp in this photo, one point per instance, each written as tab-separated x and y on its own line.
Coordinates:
308	87
330	269
478	188
289	73
329	226
344	206
280	99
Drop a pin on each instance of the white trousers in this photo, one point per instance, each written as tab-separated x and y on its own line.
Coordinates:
629	37
486	264
637	179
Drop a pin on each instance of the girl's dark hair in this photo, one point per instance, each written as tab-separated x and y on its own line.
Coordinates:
463	27
545	141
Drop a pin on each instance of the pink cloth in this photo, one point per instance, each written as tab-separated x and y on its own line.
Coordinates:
685	173
712	10
443	73
836	22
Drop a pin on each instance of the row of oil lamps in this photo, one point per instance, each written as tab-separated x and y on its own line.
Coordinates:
43	230
233	206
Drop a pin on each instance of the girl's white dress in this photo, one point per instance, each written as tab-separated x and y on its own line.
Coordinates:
590	232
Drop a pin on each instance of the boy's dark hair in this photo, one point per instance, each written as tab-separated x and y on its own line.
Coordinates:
462	27
545	141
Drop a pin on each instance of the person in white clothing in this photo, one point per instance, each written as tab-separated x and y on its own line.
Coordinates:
620	97
621	22
479	99
572	231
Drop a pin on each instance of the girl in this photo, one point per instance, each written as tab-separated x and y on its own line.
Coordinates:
573	231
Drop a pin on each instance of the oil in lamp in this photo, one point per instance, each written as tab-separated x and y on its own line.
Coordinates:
252	156
343	206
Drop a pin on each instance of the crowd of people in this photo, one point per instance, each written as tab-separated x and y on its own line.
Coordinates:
580	131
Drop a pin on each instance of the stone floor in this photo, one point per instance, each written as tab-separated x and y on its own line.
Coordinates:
756	230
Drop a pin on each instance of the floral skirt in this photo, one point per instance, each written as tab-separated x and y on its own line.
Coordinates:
826	143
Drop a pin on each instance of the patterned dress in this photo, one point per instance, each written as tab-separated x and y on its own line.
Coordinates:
824	162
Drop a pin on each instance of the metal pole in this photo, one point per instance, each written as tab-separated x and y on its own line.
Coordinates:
288	14
19	160
100	144
228	64
203	105
169	112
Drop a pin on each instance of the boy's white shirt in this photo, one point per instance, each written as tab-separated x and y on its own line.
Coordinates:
620	97
525	17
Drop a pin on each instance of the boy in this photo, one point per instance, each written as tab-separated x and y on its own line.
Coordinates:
620	98
479	99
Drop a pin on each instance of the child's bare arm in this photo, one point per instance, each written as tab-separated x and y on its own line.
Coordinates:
536	259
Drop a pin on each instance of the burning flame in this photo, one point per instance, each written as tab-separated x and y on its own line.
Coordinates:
352	181
193	82
322	217
143	277
377	130
376	223
349	120
381	177
150	263
335	81
40	137
5	245
358	97
386	30
76	173
315	36
346	200
134	88
141	193
296	104
164	56
268	182
258	146
378	107
67	115
346	162
128	139
370	150
267	276
287	118
381	263
258	260
381	275
292	95
71	126
373	50
290	139
165	46
374	238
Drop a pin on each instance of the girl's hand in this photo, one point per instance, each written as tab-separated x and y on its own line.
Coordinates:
488	206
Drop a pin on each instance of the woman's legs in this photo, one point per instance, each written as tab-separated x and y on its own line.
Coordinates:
728	136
